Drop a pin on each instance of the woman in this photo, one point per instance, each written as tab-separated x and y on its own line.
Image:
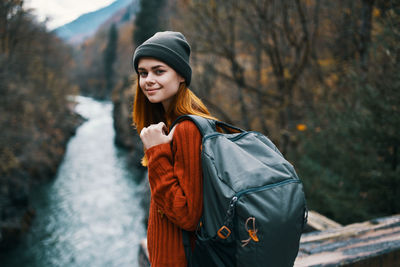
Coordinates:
175	175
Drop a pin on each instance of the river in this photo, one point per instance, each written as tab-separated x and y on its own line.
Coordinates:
90	214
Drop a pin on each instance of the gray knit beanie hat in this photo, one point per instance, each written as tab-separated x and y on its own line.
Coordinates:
169	47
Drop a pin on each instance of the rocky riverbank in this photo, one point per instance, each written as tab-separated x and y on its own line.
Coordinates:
127	137
36	162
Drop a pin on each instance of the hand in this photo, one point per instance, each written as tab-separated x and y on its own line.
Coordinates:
156	134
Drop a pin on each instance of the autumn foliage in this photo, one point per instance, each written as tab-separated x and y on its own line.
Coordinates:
36	116
320	78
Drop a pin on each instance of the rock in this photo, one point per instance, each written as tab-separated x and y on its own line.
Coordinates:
125	134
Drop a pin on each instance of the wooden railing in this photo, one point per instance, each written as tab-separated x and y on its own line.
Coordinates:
367	244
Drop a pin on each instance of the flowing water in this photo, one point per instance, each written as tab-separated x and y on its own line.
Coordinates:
90	214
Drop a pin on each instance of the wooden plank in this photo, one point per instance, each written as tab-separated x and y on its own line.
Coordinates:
361	243
319	222
351	229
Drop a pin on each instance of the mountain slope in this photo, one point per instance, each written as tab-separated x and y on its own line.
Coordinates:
87	24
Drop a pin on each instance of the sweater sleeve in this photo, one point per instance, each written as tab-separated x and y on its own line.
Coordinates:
175	176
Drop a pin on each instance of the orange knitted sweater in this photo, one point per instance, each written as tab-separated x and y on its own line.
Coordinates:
176	185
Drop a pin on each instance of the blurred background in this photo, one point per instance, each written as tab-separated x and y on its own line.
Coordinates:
320	78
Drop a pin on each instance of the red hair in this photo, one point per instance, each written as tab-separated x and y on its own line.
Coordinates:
184	102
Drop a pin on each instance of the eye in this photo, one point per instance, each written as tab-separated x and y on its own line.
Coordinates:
159	72
143	74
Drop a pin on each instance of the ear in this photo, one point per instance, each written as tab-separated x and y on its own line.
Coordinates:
181	79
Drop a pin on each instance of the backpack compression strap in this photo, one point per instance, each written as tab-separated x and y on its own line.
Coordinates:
187	247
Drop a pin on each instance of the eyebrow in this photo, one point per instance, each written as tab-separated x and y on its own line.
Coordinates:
153	68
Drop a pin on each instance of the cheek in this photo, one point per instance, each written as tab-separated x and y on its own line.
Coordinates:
173	86
141	84
173	81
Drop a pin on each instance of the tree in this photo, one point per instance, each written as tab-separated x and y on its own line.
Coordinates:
350	154
245	38
110	56
35	115
148	20
320	78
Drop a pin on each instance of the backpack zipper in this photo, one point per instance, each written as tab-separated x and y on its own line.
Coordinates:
250	190
236	197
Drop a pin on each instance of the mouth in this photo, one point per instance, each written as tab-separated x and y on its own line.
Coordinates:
152	89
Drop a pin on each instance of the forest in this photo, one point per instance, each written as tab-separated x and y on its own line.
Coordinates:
320	78
36	117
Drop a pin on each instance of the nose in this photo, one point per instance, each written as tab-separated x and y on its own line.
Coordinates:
150	78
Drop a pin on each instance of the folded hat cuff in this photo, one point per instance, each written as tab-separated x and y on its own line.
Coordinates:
164	54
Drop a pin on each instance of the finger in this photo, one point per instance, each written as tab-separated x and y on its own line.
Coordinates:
162	128
142	131
171	133
165	129
161	124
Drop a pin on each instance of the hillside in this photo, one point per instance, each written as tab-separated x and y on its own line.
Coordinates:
87	24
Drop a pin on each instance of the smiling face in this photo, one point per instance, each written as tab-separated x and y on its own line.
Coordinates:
158	81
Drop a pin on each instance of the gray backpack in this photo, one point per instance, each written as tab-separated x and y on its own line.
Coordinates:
254	208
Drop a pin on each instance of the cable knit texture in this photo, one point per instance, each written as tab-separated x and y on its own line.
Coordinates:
176	184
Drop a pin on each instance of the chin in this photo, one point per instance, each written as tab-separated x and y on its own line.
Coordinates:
153	101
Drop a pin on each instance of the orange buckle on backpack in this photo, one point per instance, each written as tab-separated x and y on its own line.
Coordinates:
224	232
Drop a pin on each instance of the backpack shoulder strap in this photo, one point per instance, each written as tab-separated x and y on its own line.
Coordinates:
205	126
